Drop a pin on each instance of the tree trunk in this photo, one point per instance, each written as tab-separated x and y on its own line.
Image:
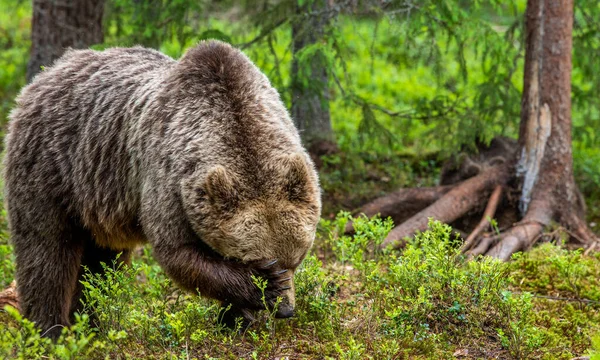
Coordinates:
60	24
310	90
545	166
546	163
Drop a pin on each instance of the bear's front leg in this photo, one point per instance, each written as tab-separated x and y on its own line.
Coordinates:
230	281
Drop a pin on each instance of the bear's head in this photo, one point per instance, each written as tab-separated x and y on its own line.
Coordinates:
269	215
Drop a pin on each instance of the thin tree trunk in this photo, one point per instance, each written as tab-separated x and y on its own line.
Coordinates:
310	90
60	24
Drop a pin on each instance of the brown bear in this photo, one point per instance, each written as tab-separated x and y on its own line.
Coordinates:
110	149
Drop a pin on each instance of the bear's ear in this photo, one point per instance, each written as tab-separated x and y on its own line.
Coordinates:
221	189
297	182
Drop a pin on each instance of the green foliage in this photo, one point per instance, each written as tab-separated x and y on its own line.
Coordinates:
108	295
566	285
150	23
367	174
595	353
15	29
24	340
441	290
466	66
352	301
586	79
7	261
522	337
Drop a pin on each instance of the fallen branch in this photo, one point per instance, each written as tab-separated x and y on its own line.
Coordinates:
488	214
454	204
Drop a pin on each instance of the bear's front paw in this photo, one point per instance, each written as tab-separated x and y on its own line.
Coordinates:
277	279
240	289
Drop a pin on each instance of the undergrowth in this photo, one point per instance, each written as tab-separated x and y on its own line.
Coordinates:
354	301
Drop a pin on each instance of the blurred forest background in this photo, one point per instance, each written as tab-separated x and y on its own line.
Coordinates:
385	93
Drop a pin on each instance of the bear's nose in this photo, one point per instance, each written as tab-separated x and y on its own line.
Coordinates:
284	311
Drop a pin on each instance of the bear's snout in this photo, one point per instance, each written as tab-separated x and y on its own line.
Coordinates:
284	311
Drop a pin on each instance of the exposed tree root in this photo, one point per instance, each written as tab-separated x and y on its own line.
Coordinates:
401	204
468	188
591	248
454	204
502	246
488	214
9	296
579	231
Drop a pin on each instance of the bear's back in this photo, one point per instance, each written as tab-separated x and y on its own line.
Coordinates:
72	134
222	110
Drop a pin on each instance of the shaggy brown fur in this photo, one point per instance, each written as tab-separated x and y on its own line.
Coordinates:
199	157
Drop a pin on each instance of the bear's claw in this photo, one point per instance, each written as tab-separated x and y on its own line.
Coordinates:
269	264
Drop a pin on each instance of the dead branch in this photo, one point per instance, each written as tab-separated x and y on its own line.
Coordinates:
454	204
488	214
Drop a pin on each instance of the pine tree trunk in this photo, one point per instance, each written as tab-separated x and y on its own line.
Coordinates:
60	24
545	165
310	91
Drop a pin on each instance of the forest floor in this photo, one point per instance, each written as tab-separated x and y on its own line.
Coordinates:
353	300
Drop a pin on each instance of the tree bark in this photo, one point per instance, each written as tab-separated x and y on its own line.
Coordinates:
60	24
546	163
310	89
